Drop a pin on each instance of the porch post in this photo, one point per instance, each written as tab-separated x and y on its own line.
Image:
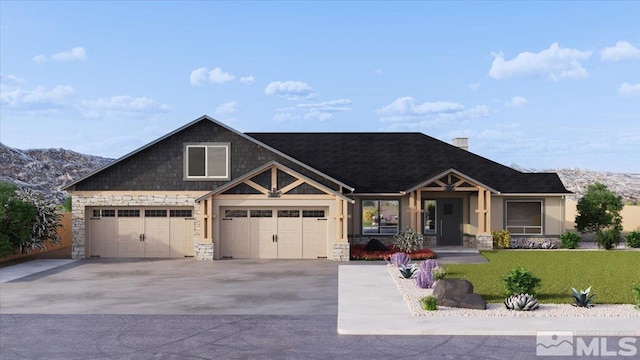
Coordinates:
481	211
418	211
487	226
412	211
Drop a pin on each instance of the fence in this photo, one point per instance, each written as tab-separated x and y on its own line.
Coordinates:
64	232
630	216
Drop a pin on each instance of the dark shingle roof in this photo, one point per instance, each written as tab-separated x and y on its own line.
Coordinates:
394	162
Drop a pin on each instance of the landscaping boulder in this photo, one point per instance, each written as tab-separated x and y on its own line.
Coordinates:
458	293
375	245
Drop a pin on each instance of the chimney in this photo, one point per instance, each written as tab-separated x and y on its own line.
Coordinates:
461	142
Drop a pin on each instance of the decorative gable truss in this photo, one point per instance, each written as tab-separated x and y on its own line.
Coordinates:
454	181
271	184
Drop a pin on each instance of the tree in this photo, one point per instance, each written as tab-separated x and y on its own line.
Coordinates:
16	219
599	211
27	220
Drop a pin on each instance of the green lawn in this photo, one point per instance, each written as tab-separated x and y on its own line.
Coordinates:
611	273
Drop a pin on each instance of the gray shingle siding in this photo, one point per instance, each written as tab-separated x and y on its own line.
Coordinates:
161	165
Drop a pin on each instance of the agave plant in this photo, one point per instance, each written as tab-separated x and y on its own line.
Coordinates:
398	259
548	244
515	244
521	302
583	298
407	271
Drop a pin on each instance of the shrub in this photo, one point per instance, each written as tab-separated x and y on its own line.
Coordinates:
520	281
398	259
429	303
635	289
501	239
633	239
548	244
569	240
424	277
608	238
438	273
584	298
408	240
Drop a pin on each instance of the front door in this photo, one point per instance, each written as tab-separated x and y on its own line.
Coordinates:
450	215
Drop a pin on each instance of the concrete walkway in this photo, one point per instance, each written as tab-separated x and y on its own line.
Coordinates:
32	267
369	303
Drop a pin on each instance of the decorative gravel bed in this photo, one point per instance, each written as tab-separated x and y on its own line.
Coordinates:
412	293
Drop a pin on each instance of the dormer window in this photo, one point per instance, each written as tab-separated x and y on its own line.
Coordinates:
209	161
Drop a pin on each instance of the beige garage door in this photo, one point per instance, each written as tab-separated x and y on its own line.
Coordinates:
140	232
274	233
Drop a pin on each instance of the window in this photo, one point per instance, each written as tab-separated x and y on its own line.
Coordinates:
104	213
380	216
155	213
235	213
128	213
524	217
429	216
288	213
261	213
313	213
180	213
207	161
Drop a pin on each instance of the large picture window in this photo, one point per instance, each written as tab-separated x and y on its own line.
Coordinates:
380	216
524	217
207	161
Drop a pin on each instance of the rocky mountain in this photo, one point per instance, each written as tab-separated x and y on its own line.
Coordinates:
46	170
577	180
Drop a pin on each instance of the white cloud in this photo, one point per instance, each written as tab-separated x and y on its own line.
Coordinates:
285	116
323	111
474	86
290	90
629	90
122	104
39	59
377	71
329	106
227	108
201	76
406	112
38	99
516	101
78	53
621	51
10	81
554	63
247	79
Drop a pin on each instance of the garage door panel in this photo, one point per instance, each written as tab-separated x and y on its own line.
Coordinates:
263	228
181	237
234	230
104	237
157	236
129	231
289	234
314	239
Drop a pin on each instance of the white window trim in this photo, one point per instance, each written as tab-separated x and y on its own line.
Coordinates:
506	216
226	146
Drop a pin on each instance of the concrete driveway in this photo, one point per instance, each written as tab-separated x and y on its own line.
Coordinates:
181	286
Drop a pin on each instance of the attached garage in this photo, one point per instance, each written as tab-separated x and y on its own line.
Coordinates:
151	232
274	233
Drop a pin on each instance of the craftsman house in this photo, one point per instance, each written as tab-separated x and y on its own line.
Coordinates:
209	191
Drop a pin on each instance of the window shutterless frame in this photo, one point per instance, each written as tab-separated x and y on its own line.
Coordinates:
207	161
524	216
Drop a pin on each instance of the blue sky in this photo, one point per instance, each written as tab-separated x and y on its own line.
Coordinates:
540	84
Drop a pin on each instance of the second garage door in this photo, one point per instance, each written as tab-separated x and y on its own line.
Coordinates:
274	233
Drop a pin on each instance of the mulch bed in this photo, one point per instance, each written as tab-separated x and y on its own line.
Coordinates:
358	253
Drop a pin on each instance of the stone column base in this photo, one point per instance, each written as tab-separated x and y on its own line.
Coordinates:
341	252
204	251
484	242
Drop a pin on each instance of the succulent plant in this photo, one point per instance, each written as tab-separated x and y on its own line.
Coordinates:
548	244
515	244
521	302
399	258
526	244
407	271
583	298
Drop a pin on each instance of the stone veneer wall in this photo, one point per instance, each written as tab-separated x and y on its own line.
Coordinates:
341	252
480	242
80	202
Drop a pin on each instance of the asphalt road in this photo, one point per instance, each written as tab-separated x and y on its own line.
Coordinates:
71	337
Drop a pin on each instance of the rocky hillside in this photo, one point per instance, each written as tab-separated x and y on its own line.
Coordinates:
46	170
577	180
